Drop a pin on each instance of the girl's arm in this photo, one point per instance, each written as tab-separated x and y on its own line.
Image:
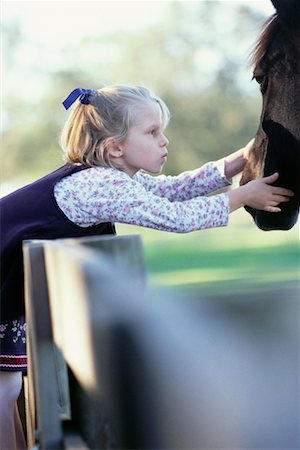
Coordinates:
187	185
194	183
235	162
100	195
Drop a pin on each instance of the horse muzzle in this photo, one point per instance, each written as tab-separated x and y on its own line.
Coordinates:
266	221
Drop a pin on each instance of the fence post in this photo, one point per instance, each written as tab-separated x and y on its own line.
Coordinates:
42	372
74	324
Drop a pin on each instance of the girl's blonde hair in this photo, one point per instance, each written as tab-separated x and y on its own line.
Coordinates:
110	113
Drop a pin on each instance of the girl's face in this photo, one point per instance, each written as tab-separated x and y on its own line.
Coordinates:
145	146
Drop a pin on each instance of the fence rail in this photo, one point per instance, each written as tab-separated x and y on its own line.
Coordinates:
115	364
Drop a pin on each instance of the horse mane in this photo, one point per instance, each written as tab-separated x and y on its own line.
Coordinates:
270	28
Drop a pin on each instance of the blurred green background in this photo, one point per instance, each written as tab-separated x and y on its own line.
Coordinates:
192	53
238	261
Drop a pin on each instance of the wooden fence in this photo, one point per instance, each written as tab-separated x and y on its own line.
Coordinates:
116	364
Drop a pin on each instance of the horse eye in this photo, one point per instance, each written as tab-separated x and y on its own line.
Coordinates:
262	80
259	78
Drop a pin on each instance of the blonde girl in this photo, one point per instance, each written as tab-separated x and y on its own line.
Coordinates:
113	143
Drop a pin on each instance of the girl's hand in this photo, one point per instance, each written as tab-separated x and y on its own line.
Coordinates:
258	194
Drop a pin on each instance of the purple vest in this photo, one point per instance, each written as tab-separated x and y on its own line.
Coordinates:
32	213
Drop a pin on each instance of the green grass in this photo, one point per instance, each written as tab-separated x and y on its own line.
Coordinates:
238	258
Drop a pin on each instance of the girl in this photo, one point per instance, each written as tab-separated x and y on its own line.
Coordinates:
113	138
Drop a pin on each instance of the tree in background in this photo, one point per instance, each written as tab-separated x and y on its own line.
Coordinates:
196	61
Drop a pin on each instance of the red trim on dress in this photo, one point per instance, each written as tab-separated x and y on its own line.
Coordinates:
13	361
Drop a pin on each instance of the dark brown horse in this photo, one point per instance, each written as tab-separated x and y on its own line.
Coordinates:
276	60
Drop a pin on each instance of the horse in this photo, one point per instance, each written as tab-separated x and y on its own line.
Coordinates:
276	61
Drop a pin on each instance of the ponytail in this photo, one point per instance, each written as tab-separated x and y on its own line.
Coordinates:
109	112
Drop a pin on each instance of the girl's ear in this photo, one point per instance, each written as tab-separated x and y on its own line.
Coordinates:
113	148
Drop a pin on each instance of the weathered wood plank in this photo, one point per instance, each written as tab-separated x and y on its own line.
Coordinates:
43	373
124	252
75	321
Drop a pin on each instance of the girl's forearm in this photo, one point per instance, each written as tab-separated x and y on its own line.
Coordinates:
237	198
235	163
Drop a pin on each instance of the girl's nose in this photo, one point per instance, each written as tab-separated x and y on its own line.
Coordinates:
164	141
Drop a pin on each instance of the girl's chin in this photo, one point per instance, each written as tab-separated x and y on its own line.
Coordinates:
155	170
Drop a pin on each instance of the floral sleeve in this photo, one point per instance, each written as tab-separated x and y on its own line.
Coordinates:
187	185
107	195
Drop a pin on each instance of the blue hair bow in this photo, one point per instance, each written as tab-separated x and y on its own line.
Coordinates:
82	94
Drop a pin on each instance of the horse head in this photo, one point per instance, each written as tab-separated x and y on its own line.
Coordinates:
276	60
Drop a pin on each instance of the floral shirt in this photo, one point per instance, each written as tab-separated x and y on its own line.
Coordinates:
170	203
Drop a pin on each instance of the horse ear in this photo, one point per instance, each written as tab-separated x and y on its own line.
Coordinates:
288	12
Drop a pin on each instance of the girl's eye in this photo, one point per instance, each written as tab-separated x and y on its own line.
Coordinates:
153	132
